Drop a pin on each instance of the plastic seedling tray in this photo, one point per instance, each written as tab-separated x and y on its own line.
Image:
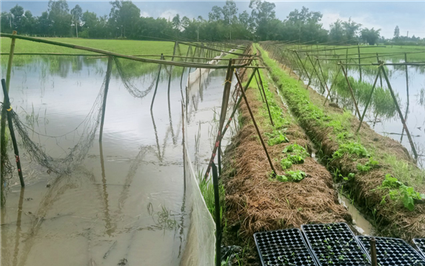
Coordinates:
335	244
420	244
283	247
394	251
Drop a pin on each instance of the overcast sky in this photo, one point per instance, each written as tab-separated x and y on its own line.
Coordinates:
384	15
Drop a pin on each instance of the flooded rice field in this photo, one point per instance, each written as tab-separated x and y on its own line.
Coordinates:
128	201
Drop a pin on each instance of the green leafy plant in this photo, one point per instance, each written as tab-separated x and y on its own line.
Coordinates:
400	192
353	148
276	137
368	165
295	154
290	176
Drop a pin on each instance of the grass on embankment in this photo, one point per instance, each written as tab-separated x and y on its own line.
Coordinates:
368	165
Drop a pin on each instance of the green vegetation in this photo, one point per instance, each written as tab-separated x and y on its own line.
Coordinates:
276	137
295	154
361	163
127	47
398	191
290	176
207	191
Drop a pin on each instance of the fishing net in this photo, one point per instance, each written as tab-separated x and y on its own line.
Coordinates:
76	154
133	90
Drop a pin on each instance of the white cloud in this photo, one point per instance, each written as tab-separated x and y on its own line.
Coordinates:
169	14
145	14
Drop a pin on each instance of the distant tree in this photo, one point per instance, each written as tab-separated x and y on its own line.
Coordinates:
6	22
215	14
396	33
246	20
17	14
76	13
336	33
176	22
28	23
351	29
230	12
262	14
44	24
124	18
371	36
60	17
305	26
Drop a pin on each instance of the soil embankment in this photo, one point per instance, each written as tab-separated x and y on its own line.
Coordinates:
361	162
255	201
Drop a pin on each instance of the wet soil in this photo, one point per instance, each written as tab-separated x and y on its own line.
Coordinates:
391	219
254	202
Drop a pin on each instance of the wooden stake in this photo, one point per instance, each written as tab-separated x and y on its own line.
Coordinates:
370	98
220	137
3	141
105	95
157	81
351	90
399	112
12	132
256	128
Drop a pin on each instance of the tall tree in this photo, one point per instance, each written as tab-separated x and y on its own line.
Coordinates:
370	35
215	14
336	33
17	14
351	29
396	33
230	12
6	22
60	17
262	14
305	26
76	13
123	18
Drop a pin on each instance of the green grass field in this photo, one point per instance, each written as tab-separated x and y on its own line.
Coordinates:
127	47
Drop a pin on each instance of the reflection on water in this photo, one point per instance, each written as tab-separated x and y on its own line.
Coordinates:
126	202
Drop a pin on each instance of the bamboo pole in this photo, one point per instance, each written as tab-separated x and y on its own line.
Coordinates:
224	104
330	89
256	128
220	137
323	76
265	97
407	92
351	90
156	85
134	58
3	142
12	132
217	217
315	71
360	68
302	64
105	95
370	98
399	112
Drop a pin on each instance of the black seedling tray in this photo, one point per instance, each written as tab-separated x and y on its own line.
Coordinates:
420	244
335	244
393	251
283	247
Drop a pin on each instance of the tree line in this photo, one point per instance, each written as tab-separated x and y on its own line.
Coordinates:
223	23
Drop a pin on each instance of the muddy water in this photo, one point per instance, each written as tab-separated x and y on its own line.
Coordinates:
362	225
125	203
